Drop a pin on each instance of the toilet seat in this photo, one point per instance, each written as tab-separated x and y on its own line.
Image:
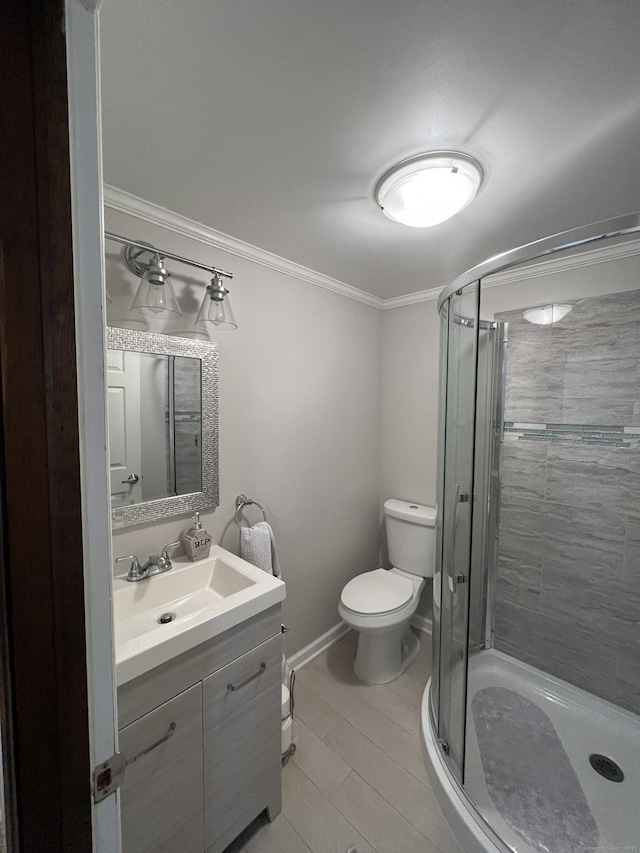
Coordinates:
377	592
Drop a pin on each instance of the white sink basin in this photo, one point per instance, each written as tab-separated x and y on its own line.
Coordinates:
203	598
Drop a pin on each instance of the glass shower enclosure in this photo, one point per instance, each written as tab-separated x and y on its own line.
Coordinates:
532	708
469	396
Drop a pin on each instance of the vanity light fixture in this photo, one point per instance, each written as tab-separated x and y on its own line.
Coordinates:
155	292
216	307
429	188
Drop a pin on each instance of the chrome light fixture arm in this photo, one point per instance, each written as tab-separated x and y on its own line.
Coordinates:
155	292
134	250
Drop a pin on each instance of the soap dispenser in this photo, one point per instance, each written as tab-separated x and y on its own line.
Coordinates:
196	541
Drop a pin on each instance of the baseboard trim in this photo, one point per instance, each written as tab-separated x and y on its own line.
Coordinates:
317	646
422	623
322	643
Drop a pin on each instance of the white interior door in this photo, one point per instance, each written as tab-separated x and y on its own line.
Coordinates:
125	439
88	255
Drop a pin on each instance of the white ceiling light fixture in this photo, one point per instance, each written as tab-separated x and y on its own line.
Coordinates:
545	315
429	188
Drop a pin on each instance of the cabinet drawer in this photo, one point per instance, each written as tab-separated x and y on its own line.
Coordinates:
148	691
161	798
242	739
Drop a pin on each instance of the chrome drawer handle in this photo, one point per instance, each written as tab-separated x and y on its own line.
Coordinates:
234	687
163	739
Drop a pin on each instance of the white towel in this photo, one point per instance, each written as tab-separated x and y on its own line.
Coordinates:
258	546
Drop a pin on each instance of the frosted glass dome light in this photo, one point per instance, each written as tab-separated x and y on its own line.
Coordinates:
545	315
428	189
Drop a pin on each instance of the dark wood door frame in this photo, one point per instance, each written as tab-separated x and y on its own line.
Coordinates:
41	538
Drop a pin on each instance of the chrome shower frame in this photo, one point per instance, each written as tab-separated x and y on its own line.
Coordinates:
574	238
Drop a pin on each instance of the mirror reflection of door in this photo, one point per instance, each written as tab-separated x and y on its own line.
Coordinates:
125	440
155	426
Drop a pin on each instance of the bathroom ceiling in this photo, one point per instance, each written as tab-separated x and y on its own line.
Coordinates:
271	121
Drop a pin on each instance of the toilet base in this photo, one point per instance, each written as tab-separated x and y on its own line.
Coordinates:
384	655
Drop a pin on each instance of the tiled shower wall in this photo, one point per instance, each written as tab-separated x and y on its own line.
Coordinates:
568	592
188	425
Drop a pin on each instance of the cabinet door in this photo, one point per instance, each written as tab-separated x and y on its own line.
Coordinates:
242	742
161	798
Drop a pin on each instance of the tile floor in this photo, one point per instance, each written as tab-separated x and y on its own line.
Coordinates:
357	779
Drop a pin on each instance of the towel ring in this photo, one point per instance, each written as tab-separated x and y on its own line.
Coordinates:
241	502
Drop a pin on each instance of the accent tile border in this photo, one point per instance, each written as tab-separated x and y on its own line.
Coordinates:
599	435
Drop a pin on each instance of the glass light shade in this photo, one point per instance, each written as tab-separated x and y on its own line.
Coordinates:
429	189
545	315
216	308
155	293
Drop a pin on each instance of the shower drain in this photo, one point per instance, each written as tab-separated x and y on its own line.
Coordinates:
606	767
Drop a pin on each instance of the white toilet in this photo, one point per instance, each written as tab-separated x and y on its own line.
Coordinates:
379	604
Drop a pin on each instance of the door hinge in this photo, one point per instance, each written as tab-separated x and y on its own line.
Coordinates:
108	776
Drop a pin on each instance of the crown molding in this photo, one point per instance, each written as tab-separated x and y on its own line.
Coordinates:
412	298
551	266
147	211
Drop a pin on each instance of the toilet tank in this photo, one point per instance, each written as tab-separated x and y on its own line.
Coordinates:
411	537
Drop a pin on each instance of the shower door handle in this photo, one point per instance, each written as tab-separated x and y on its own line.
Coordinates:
458	498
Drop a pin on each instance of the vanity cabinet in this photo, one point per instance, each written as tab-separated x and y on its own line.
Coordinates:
242	751
201	735
161	797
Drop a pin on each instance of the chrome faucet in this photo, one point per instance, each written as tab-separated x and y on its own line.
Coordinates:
157	564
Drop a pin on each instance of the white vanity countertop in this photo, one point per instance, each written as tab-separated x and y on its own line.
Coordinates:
205	598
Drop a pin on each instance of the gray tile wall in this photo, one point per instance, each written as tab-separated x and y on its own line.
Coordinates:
568	592
188	432
187	389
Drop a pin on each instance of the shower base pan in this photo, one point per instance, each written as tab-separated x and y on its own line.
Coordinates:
588	812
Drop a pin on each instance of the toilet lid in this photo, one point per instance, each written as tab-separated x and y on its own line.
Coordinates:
379	591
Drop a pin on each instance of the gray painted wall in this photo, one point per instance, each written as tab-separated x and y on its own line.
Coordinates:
568	594
299	421
410	352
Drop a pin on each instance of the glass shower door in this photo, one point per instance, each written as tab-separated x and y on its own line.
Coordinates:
455	501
